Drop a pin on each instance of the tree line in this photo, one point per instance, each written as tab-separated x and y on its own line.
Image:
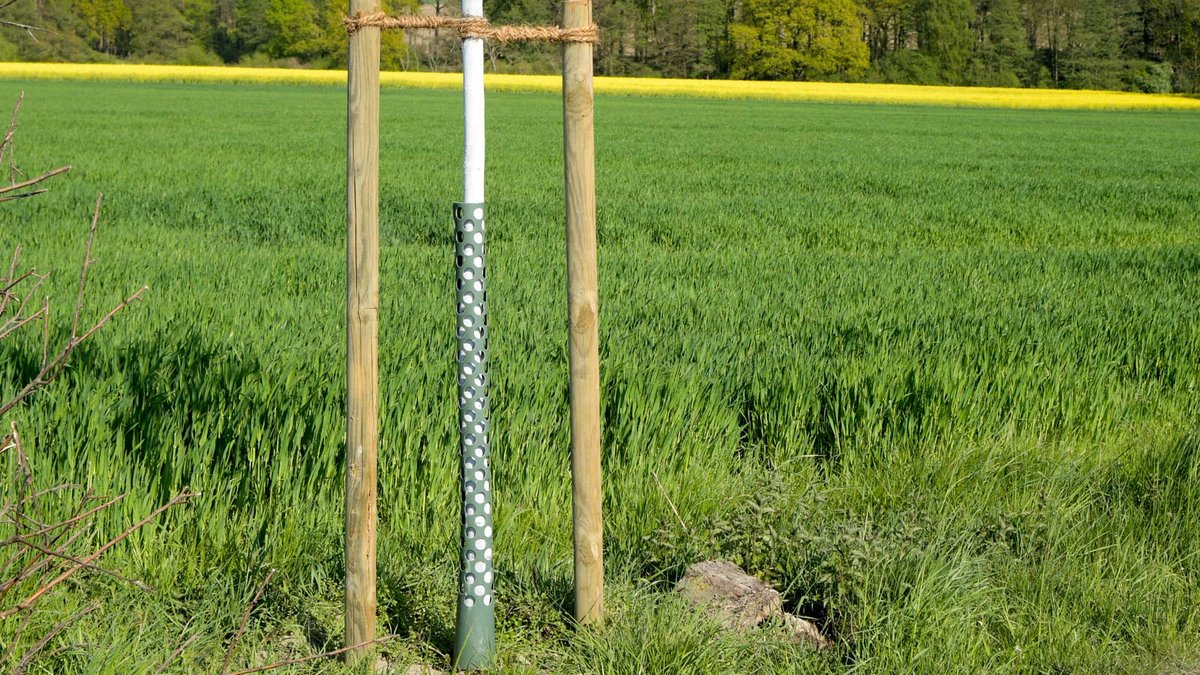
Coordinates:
1136	45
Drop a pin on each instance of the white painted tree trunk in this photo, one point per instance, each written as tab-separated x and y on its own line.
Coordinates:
473	115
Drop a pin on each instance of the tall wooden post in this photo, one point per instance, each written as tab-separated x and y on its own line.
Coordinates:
362	328
582	305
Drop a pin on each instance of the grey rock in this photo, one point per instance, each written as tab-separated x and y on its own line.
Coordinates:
742	602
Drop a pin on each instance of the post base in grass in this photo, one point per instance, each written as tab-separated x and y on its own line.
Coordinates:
474	640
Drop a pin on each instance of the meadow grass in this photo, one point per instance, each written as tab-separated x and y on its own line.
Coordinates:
828	92
932	372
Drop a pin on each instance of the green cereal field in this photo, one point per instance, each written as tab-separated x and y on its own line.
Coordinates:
932	373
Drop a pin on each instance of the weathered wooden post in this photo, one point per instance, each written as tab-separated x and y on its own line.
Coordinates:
362	328
582	310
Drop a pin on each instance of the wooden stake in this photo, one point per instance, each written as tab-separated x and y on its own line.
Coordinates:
582	305
362	329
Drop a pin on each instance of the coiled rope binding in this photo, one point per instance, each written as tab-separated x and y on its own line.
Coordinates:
477	28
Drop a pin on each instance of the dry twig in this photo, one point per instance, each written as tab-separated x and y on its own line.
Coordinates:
6	147
58	628
27	28
175	654
91	566
245	619
669	502
28	602
40	493
4	190
52	366
70	521
33	567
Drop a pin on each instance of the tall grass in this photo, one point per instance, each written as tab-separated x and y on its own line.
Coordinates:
931	372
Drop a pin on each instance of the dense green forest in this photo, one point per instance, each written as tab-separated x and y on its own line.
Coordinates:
1141	45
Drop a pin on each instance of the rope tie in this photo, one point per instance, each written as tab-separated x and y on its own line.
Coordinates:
470	27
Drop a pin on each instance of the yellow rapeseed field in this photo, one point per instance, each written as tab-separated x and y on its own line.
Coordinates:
725	89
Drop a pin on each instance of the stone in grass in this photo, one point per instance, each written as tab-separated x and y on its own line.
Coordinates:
741	601
738	599
423	669
805	631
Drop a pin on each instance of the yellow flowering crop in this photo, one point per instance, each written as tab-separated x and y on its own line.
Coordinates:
724	89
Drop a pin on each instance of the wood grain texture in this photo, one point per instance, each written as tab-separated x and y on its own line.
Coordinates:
738	599
362	330
583	315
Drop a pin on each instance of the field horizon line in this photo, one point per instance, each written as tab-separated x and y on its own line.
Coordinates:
817	92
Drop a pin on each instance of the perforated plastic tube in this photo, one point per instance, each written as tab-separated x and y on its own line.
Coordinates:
475	641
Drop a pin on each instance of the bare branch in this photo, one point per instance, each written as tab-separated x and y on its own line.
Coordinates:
28	29
69	521
12	267
34	567
6	143
245	619
87	263
20	631
12	282
91	566
60	627
57	488
67	648
175	654
26	518
10	295
51	368
669	502
13	198
5	189
111	313
18	322
23	486
25	604
12	129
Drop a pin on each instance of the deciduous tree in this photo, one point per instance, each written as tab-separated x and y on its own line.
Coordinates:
799	39
108	23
